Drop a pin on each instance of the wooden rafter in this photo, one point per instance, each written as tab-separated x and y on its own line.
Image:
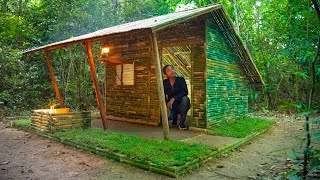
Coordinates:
53	79
96	86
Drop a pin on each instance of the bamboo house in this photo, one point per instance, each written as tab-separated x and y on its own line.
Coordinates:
201	44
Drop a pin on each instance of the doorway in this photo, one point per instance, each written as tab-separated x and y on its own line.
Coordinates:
180	58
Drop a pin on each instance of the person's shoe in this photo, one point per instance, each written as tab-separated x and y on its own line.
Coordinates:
183	127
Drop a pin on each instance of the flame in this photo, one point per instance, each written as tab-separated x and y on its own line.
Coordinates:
52	109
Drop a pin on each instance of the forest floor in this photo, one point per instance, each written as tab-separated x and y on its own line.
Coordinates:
26	156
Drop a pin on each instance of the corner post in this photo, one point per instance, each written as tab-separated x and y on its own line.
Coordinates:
53	78
96	85
105	86
163	107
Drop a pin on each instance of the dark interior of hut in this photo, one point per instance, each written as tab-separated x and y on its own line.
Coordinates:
180	58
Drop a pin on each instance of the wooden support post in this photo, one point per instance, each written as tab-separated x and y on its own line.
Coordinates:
53	79
96	85
105	86
163	106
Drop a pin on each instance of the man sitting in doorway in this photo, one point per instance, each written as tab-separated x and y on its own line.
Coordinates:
177	100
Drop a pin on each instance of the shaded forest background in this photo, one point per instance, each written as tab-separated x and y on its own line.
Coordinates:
281	35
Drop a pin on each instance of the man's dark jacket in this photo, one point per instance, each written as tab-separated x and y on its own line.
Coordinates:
177	91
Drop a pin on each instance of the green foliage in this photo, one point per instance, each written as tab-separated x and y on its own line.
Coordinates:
289	107
25	123
25	82
314	158
311	153
281	36
241	127
253	95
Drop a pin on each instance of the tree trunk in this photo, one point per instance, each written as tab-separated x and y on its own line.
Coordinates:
4	6
20	8
313	64
115	7
307	150
236	16
313	74
270	103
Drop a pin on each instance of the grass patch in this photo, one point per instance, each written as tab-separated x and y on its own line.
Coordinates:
163	153
23	123
240	128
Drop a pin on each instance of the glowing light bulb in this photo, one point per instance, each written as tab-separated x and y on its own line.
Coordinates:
105	50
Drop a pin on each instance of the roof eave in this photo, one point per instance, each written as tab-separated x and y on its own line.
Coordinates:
61	44
245	47
58	45
179	20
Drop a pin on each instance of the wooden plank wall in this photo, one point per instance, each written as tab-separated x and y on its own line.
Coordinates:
227	86
191	33
131	101
45	122
198	58
140	101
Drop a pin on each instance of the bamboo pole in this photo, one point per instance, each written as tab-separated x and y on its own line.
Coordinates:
53	78
105	86
96	85
163	107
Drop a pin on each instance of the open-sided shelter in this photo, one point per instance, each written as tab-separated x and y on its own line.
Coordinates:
201	44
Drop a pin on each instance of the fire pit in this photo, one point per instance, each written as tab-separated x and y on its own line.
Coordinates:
49	120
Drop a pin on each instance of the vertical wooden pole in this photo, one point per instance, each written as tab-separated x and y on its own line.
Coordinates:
163	106
53	78
149	87
96	85
105	86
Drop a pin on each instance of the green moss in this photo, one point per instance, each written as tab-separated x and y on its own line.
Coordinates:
240	128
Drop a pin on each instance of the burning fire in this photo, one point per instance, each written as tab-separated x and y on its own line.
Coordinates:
52	109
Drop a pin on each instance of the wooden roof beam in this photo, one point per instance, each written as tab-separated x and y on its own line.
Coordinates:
53	79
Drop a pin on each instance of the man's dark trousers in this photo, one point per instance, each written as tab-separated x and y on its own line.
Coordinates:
182	108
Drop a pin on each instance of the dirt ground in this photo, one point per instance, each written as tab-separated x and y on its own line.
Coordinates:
26	156
265	157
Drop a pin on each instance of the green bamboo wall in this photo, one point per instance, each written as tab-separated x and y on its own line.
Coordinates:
227	87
